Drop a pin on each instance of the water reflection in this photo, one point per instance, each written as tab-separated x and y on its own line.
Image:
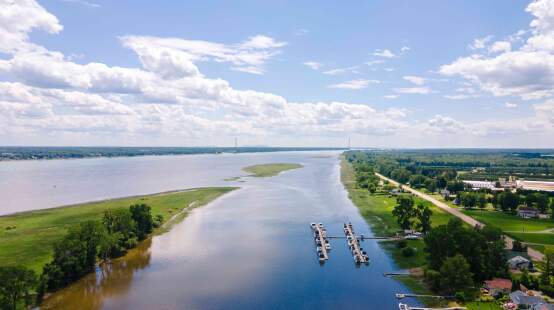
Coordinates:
110	280
250	249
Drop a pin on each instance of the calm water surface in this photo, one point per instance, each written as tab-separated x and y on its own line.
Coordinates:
250	249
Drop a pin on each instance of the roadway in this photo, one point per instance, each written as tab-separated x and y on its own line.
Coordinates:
534	254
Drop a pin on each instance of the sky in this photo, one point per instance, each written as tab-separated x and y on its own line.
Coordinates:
382	73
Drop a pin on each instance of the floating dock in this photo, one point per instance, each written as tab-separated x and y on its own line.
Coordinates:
323	246
360	256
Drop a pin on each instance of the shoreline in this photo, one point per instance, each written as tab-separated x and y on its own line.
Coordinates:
73	205
379	227
27	238
228	151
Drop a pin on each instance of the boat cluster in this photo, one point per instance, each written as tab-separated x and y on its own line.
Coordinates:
360	256
323	246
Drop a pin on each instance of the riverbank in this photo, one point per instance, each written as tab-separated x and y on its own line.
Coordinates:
269	170
27	238
376	209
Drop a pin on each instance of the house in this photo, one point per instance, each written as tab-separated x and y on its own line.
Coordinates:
498	286
527	212
524	301
395	191
520	262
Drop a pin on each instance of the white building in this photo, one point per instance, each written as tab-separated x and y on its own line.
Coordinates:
480	184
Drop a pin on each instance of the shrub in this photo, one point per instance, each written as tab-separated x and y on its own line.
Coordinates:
408	251
401	244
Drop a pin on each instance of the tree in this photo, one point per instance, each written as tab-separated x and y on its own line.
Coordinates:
424	214
548	265
482	200
441	181
402	175
456	275
430	185
455	186
468	200
16	283
74	256
542	202
404	211
143	217
119	221
417	180
508	201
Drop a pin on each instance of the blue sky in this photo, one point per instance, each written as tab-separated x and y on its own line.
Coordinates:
384	73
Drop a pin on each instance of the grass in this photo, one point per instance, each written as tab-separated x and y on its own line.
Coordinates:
30	242
377	208
526	230
269	170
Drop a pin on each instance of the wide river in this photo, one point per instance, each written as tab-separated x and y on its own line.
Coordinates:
249	249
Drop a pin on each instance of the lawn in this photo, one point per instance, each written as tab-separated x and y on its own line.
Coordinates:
30	242
509	222
377	210
269	170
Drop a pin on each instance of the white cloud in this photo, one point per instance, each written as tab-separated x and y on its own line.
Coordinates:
168	96
417	80
440	123
510	105
45	94
354	84
500	47
352	69
374	62
527	72
83	2
18	19
414	90
457	97
250	55
261	42
480	43
313	65
405	49
385	53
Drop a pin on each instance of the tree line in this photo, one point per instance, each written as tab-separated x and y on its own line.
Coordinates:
77	253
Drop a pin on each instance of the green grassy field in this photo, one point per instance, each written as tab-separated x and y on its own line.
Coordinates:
30	242
269	170
377	210
533	231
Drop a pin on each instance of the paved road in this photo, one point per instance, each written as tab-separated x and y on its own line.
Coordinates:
534	254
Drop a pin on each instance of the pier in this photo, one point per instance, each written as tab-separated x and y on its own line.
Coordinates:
360	256
402	306
321	241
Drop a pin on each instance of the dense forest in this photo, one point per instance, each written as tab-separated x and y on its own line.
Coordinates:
28	153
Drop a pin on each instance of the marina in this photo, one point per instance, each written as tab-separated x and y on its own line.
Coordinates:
360	256
322	243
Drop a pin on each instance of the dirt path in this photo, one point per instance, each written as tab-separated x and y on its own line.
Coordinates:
534	254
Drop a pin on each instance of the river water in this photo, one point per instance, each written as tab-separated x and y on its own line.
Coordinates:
250	249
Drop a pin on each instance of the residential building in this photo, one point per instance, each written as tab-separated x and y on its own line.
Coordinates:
498	286
527	212
520	262
524	301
